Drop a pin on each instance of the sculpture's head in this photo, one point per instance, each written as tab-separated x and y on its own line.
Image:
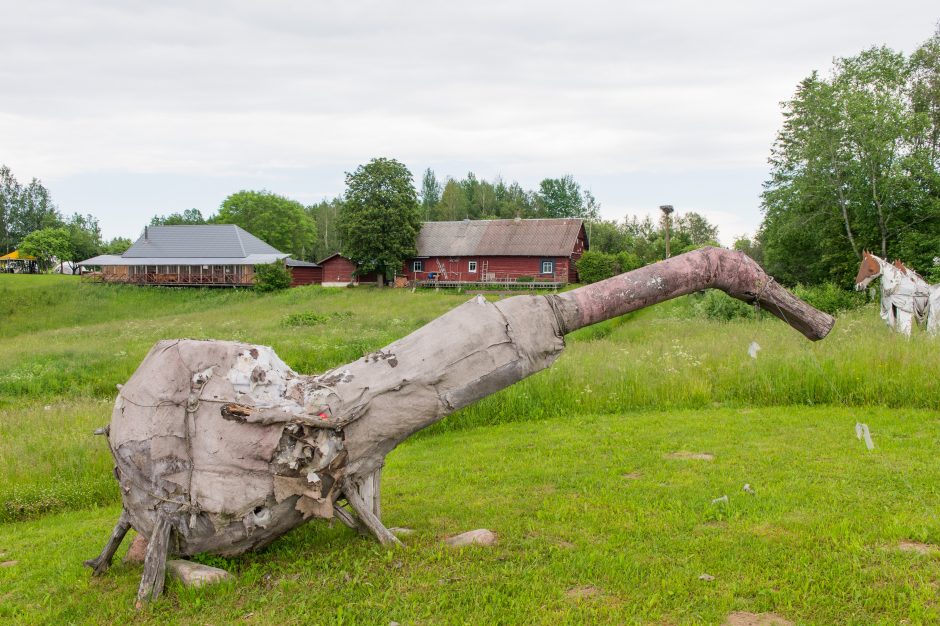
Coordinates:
868	270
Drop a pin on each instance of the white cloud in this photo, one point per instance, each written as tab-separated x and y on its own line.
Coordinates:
249	91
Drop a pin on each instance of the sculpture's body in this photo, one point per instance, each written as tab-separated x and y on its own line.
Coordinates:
219	447
905	296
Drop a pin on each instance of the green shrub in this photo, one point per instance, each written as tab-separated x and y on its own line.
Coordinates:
717	305
627	261
309	318
272	277
830	298
304	318
596	266
525	279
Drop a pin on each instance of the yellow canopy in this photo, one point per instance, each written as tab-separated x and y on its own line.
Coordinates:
16	256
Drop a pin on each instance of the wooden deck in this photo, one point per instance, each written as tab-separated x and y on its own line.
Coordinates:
489	285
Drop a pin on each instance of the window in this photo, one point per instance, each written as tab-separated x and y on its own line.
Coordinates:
417	266
548	267
472	267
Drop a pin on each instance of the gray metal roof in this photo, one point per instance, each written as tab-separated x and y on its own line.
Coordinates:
226	241
251	259
536	237
296	263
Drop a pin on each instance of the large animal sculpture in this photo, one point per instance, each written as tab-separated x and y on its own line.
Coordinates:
220	447
905	296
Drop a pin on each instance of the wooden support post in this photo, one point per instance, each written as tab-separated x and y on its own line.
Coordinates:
364	511
151	583
101	564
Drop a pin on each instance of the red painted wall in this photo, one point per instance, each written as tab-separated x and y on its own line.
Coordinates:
305	276
502	267
339	269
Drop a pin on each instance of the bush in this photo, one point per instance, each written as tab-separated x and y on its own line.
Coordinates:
830	298
595	266
717	305
304	318
272	277
309	318
627	261
525	279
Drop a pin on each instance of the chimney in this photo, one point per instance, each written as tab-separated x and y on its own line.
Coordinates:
145	233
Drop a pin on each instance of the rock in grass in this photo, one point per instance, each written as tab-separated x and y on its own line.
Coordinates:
480	537
706	577
8	563
743	618
138	550
195	574
401	531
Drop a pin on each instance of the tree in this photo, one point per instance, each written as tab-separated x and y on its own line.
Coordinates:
326	216
9	202
84	239
23	209
36	210
749	246
118	245
187	217
47	245
563	197
279	221
607	236
380	218
696	230
430	192
453	204
854	166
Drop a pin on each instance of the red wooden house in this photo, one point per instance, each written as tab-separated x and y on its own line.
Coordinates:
543	250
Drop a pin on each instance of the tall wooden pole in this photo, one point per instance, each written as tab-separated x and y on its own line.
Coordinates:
667	211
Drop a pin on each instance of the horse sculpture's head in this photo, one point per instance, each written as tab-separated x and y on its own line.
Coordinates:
869	270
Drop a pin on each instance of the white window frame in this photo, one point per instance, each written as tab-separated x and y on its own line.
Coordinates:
417	266
472	267
551	267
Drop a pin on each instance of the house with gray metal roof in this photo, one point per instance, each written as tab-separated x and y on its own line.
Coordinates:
541	251
207	255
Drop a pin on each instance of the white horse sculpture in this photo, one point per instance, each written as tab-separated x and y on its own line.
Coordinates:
905	295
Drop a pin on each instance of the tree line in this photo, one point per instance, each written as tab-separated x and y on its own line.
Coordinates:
856	166
31	222
375	221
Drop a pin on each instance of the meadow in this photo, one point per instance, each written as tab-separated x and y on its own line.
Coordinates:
600	475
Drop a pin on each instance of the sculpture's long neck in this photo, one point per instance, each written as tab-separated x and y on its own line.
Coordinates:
481	347
732	272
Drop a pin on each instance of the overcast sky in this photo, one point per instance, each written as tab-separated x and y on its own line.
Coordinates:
128	109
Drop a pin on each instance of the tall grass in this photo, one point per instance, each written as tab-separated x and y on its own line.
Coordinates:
66	345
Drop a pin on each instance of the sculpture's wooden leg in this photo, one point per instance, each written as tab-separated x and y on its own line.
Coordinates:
348	519
368	517
368	490
151	583
101	564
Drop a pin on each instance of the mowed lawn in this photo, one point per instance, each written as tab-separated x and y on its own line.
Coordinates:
604	477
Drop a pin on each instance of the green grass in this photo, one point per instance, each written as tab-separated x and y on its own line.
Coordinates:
593	503
567	466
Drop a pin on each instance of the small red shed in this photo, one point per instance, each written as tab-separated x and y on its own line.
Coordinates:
338	271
